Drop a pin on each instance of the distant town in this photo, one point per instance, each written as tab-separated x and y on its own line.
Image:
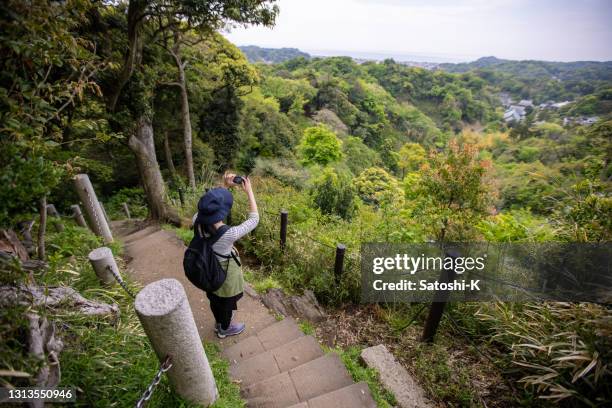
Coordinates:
517	111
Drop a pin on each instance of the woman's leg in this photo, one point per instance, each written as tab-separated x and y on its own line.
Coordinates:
215	307
221	309
225	318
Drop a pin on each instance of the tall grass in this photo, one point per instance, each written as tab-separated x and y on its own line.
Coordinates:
561	351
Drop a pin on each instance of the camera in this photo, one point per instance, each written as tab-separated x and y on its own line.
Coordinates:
238	179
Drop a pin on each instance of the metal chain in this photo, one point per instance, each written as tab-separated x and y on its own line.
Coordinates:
165	366
120	280
95	213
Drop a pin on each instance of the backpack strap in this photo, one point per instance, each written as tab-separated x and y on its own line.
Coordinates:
222	229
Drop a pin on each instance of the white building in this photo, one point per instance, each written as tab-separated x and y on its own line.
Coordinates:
513	114
560	104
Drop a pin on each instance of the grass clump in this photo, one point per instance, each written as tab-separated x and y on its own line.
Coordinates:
260	282
229	391
307	328
184	234
352	361
441	378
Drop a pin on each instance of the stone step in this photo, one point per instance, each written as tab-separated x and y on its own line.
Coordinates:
275	361
300	384
352	396
266	339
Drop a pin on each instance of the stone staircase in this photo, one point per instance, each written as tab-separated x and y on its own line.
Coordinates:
279	366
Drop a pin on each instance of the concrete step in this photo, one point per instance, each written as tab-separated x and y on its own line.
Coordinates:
352	396
266	339
140	234
275	361
123	228
320	376
316	377
275	392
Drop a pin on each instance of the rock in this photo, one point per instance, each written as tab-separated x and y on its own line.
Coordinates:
275	299
329	118
395	378
305	306
250	291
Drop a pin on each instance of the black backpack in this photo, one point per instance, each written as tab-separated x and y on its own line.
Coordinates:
200	262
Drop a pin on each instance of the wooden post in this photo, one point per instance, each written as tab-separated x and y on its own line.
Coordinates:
92	207
165	315
102	260
439	302
57	223
78	216
126	209
284	217
339	264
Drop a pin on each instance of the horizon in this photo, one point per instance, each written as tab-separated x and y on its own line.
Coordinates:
448	31
399	57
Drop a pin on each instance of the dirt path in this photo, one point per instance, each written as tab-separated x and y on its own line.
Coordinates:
155	254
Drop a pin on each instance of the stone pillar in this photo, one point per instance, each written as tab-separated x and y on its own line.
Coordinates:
102	259
57	223
164	312
104	212
78	216
92	207
127	210
52	211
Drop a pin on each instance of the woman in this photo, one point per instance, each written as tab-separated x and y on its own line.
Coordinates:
213	208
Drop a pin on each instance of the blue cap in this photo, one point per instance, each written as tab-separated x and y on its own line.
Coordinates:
214	206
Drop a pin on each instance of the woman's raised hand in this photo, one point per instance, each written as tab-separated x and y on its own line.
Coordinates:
228	179
246	184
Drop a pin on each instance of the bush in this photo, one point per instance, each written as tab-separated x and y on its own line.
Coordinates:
320	145
375	185
515	226
135	199
358	156
334	194
284	170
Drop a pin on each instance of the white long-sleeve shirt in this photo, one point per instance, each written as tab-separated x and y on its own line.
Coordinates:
224	245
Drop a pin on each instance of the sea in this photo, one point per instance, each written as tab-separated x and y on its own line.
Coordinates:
398	57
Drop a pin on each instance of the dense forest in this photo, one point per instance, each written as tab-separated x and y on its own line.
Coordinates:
150	100
271	55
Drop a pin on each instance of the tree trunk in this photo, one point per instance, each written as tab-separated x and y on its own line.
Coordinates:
185	117
142	144
42	227
136	9
168	154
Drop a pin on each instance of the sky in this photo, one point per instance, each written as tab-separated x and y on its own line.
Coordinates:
440	30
